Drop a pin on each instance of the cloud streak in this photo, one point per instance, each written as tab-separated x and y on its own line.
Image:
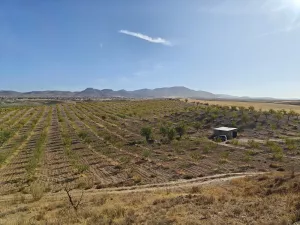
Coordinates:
157	40
285	12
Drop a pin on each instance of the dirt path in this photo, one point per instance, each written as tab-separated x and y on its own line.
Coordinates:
180	184
279	140
244	140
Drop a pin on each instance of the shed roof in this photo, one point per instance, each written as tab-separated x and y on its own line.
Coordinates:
225	128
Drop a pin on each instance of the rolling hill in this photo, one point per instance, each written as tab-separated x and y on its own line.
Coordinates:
166	92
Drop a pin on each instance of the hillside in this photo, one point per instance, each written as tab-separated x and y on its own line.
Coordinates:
262	199
165	92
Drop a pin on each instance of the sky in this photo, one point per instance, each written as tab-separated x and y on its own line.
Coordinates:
237	47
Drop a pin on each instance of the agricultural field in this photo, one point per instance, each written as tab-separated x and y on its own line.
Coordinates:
161	149
264	105
23	102
125	143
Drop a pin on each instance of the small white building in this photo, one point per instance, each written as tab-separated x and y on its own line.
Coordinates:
230	132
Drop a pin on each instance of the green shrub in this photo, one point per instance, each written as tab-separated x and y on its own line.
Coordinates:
82	168
291	144
121	116
253	144
234	142
233	108
171	134
278	155
163	131
277	152
206	149
4	136
197	156
83	135
146	153
146	132
124	159
251	153
197	126
225	155
247	158
180	129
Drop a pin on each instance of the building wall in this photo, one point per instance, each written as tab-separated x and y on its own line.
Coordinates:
229	134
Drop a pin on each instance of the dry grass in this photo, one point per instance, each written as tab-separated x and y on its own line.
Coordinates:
266	199
37	191
257	105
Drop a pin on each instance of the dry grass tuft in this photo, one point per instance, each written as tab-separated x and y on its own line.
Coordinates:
264	199
37	191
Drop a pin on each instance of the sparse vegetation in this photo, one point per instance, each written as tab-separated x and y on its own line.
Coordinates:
260	198
4	136
97	145
180	129
37	190
197	126
171	134
146	132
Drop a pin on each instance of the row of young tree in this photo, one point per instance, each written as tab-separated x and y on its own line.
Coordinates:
171	132
168	132
215	110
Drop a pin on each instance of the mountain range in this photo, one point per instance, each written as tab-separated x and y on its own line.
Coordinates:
165	92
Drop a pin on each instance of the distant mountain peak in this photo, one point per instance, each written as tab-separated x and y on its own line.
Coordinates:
163	92
89	89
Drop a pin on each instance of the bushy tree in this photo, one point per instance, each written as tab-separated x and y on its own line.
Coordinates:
83	135
242	108
266	114
256	116
290	114
283	112
233	108
180	129
245	118
278	116
226	107
207	110
214	116
272	111
251	108
146	132
163	130
4	136
171	134
197	126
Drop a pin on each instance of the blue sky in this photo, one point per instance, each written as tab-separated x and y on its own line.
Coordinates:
238	47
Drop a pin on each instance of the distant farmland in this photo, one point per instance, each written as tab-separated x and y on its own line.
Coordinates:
286	105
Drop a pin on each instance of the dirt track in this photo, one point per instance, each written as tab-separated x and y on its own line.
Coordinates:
180	184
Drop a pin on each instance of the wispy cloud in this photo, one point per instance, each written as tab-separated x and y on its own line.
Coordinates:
232	7
285	12
157	40
278	31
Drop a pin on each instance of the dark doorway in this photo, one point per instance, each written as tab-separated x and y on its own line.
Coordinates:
234	134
